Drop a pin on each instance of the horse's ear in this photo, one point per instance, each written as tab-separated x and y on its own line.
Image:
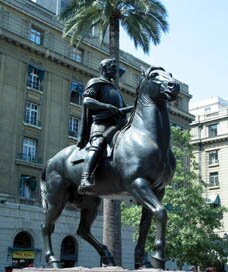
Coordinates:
143	71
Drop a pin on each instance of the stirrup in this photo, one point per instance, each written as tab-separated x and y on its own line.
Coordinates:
86	185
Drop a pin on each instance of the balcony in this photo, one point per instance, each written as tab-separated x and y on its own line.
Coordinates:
34	85
212	163
32	122
206	140
73	134
29	158
204	119
213	185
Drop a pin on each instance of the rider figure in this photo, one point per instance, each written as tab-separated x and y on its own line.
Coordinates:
101	118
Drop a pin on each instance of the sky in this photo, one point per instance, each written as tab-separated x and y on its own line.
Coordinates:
195	50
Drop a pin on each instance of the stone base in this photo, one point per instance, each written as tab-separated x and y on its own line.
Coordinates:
85	269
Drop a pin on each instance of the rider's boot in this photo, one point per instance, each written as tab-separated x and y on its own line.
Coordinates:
89	167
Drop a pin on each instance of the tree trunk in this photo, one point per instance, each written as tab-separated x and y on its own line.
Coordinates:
112	228
114	42
111	210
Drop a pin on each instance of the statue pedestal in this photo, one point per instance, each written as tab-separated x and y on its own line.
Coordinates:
85	269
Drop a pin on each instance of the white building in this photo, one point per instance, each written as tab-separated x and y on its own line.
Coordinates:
210	140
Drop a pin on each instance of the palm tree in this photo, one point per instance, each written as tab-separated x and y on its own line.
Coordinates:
143	20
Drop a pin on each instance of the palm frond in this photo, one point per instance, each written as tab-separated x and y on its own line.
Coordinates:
143	20
158	12
80	36
148	17
106	14
73	7
80	24
133	28
103	30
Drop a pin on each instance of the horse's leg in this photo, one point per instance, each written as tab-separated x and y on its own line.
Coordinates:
141	260
141	190
88	215
54	202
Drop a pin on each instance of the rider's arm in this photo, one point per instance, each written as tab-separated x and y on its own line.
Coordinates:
90	101
94	104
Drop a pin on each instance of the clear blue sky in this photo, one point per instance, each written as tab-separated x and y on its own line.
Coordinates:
196	48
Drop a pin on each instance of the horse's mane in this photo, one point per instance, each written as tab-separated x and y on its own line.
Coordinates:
144	74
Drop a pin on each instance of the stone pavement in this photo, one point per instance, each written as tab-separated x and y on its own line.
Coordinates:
85	269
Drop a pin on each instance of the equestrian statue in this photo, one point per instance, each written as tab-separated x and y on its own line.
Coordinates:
115	157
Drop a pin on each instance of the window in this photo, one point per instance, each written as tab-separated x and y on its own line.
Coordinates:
76	90
32	114
35	78
73	126
27	186
213	179
4	15
213	200
29	150
36	35
69	252
213	130
64	4
213	157
207	110
77	54
121	71
23	240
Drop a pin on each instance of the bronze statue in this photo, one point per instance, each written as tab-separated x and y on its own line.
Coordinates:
140	166
101	118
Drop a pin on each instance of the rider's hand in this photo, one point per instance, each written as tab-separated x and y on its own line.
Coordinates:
114	110
80	143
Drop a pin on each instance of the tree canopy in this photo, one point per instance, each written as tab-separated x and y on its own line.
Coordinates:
143	20
192	230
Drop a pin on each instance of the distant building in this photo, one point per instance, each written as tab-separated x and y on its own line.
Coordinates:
210	141
55	6
42	78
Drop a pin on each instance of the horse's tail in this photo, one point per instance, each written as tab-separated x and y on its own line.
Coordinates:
43	189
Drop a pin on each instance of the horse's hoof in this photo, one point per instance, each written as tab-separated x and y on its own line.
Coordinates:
54	263
108	261
85	189
143	266
107	265
158	263
142	262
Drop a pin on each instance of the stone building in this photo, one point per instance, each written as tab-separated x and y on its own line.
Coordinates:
210	141
42	78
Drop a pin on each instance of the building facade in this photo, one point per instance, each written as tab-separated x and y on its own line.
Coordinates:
42	78
210	141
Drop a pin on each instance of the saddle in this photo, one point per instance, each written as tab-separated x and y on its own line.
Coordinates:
112	137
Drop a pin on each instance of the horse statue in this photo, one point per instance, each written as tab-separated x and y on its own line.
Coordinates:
140	166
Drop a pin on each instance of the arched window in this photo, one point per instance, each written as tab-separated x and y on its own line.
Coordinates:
23	240
23	253
69	252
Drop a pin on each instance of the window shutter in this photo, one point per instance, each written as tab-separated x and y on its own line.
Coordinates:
76	86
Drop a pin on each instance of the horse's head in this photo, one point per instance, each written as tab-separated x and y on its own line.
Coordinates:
158	84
